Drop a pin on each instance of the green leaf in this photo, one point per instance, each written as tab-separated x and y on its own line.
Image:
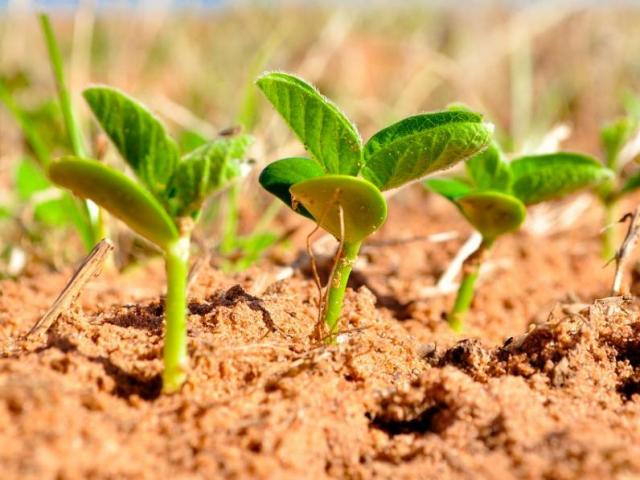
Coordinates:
251	249
278	177
189	140
29	179
327	134
203	171
417	146
118	194
5	212
364	207
538	178
613	137
449	188
137	134
492	213
489	170
632	183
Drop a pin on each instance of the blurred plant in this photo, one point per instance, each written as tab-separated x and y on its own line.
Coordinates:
163	206
340	186
494	197
614	136
241	251
39	128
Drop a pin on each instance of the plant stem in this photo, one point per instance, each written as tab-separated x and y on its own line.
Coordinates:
68	114
72	126
464	297
609	235
337	286
230	226
175	338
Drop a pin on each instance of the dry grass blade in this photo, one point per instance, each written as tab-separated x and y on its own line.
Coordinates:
623	254
316	280
90	267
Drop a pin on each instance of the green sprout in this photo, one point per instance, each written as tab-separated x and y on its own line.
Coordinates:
613	138
494	199
163	206
340	185
84	216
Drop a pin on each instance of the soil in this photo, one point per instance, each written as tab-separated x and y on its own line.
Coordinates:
545	382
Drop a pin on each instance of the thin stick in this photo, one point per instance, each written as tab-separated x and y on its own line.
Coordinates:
90	267
467	249
316	275
440	237
623	254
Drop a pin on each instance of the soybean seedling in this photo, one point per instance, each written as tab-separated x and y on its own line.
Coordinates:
613	138
163	206
495	197
340	185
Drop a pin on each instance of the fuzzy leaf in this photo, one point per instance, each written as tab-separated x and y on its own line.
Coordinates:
416	146
278	177
137	134
29	179
449	188
489	170
492	213
118	194
632	183
538	178
325	131
203	171
364	207
613	137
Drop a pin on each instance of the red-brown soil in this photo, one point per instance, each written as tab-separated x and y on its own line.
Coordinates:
544	383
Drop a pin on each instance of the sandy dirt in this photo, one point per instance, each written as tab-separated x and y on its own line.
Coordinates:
543	384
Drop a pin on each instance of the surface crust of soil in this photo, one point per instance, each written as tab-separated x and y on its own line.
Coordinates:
545	382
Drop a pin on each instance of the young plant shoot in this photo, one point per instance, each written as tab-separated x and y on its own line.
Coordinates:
163	205
495	197
64	209
613	138
340	184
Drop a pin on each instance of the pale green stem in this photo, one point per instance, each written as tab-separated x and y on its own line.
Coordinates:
230	226
68	113
337	287
464	297
72	126
176	361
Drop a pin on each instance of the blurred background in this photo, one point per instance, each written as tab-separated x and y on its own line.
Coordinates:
527	66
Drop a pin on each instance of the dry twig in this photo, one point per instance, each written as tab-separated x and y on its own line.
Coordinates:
624	252
90	267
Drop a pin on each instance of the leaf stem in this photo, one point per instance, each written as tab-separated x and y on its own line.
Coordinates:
230	225
337	287
175	338
464	297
